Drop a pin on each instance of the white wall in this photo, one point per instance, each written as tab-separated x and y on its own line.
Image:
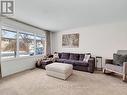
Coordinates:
101	40
16	65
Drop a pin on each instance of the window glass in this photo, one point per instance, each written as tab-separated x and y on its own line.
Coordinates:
8	44
40	44
26	44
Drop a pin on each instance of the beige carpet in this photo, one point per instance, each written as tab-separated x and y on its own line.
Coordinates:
36	82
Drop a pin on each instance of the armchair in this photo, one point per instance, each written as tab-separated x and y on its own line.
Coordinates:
120	69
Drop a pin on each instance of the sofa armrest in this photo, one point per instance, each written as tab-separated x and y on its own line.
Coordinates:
109	61
91	63
125	68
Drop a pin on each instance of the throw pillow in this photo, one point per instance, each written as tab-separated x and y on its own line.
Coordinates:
119	59
86	58
81	57
55	55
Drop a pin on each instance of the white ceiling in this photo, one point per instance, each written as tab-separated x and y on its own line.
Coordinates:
59	15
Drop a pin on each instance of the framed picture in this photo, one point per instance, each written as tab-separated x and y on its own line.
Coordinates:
70	40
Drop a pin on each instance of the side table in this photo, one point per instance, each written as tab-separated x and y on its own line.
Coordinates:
97	58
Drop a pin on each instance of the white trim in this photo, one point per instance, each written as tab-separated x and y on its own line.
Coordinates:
17	52
35	44
20	58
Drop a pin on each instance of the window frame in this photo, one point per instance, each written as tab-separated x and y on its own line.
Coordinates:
15	55
31	34
41	36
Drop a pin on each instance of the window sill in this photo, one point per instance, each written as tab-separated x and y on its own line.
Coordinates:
19	58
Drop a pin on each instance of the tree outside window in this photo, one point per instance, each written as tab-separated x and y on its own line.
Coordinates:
26	44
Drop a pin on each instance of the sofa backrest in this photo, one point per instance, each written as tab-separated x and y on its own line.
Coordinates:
59	54
122	52
72	56
65	55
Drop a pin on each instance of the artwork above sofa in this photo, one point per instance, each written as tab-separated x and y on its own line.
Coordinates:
70	40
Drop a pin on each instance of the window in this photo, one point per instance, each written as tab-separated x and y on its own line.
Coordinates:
26	44
8	43
20	43
40	44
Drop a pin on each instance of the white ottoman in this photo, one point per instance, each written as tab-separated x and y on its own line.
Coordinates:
59	70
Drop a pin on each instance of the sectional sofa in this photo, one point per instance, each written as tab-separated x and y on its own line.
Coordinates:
77	61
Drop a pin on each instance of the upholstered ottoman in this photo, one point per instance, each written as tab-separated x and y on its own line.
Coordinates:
59	70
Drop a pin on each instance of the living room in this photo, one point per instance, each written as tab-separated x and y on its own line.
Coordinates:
63	47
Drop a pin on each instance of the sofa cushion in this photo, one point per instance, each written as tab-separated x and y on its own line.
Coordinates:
69	61
81	57
59	54
114	68
65	55
119	59
60	60
74	56
81	63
